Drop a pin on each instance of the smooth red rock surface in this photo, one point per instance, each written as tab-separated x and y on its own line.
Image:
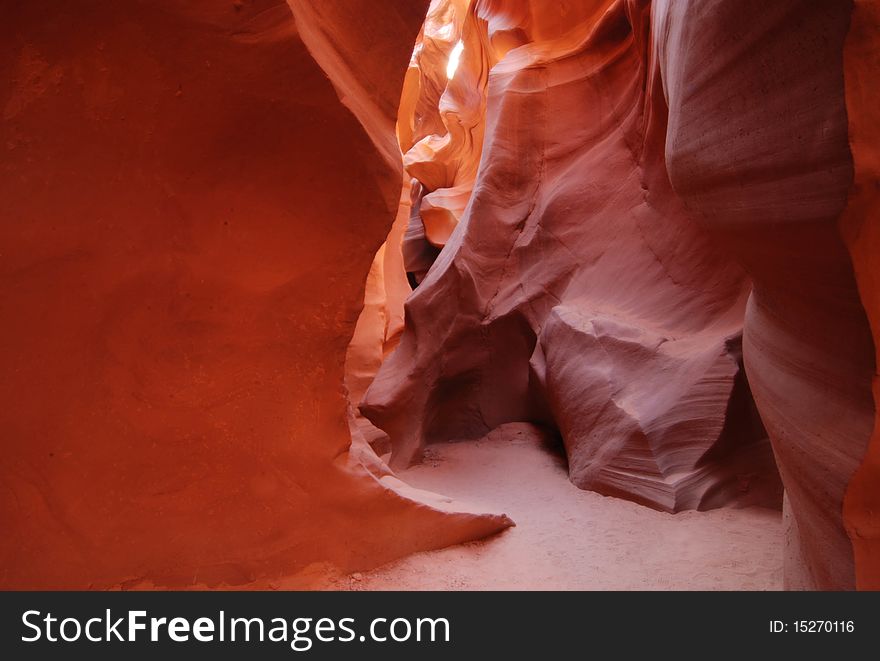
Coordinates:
861	228
189	214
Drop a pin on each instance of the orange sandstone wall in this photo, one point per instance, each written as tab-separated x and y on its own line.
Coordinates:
188	217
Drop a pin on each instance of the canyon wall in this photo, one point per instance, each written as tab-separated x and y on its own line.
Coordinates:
575	290
664	194
758	146
191	201
861	230
646	226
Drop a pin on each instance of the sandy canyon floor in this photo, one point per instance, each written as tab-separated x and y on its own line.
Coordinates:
568	539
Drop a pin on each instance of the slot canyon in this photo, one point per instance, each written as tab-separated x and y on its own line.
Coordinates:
447	294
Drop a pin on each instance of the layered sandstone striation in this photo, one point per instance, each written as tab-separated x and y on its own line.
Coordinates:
442	118
860	227
189	214
665	191
644	227
576	290
757	146
439	129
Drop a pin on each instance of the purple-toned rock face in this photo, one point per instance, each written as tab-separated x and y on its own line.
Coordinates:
757	146
659	195
577	290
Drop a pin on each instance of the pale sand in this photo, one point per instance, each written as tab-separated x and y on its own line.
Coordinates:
568	539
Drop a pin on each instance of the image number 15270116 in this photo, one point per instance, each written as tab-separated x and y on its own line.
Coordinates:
812	626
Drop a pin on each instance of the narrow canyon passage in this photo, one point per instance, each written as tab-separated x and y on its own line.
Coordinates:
569	539
290	286
576	334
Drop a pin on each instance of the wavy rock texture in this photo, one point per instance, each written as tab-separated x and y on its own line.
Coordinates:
189	215
441	134
861	228
430	116
632	151
757	145
380	323
576	290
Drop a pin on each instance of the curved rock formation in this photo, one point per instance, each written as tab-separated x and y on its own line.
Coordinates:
442	119
442	136
577	290
633	150
861	229
772	183
181	276
379	325
623	218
